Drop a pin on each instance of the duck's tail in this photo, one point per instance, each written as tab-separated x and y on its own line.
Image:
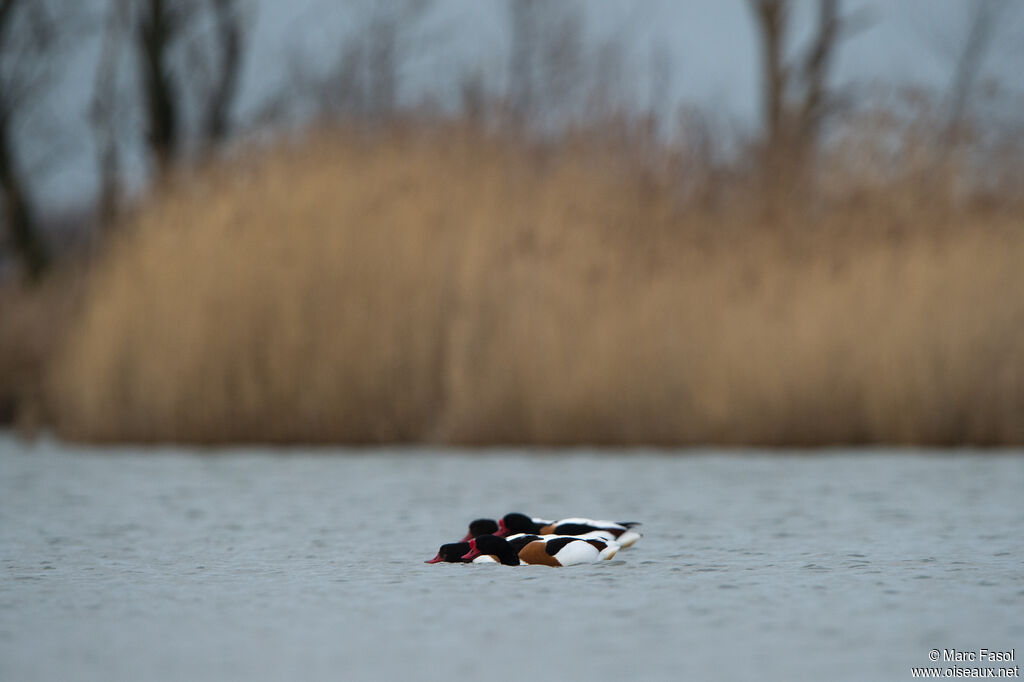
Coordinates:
629	538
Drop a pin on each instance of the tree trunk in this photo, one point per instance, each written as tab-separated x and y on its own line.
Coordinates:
155	34
978	38
103	115
524	19
795	98
771	21
229	36
27	242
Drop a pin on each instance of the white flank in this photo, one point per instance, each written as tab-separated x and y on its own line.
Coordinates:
610	551
578	552
596	523
629	538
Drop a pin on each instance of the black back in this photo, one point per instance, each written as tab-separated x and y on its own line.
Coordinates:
522	541
579	529
554	546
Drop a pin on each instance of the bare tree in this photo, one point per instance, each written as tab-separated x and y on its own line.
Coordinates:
524	21
382	63
27	37
795	96
164	29
365	80
230	47
103	112
553	77
159	25
546	60
985	15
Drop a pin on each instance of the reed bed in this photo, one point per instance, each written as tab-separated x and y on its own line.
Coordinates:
33	320
451	286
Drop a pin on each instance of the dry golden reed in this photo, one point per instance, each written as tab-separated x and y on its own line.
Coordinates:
32	321
448	286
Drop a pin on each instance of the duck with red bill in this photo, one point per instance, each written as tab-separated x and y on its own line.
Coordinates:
547	550
489	545
453	552
621	533
481	527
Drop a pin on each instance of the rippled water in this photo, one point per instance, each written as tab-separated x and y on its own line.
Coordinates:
288	564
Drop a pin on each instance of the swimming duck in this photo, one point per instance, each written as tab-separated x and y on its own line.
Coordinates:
500	548
558	551
606	548
620	532
481	527
453	551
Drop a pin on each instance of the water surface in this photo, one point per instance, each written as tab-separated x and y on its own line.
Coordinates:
174	564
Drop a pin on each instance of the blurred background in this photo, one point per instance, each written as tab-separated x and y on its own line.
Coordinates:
582	235
448	221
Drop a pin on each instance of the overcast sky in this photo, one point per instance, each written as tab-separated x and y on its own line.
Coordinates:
711	45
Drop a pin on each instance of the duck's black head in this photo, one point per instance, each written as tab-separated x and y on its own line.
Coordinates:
495	546
516	523
452	553
481	527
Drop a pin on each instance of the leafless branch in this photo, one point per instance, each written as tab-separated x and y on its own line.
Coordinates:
103	111
27	37
983	21
230	46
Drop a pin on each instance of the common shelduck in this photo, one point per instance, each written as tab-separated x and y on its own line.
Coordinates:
481	527
453	551
606	548
558	551
621	532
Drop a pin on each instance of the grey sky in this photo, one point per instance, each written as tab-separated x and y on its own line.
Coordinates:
711	44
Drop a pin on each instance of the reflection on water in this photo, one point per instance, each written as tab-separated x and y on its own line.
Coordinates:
255	565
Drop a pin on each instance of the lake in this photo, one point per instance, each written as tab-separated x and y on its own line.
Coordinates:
272	564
